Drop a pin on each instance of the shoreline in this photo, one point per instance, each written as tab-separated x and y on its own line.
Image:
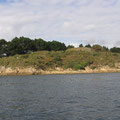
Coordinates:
32	71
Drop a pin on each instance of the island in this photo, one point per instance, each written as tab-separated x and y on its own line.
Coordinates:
25	56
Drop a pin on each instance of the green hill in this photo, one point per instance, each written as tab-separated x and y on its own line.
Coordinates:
74	58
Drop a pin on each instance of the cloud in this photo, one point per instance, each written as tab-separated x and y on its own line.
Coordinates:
69	21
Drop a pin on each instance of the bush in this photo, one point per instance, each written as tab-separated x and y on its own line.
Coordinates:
88	45
70	46
97	48
81	45
115	49
80	66
57	58
55	46
105	48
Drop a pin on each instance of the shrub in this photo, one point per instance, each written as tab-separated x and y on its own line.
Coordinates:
81	45
57	58
70	46
97	48
80	66
88	45
105	48
115	49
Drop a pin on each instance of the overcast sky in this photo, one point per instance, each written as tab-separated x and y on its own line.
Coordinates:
69	21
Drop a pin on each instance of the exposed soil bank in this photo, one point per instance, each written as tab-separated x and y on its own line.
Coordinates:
32	71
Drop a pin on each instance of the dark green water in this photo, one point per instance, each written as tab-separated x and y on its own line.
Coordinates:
60	97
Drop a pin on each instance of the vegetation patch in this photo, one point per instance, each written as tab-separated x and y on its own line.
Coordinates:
24	52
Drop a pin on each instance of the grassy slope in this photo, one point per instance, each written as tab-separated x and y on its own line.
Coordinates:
76	58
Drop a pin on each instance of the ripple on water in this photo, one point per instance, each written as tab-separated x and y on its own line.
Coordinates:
60	97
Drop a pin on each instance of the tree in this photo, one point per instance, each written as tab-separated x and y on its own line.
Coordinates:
3	47
39	44
19	46
115	49
70	46
55	46
81	45
88	45
105	48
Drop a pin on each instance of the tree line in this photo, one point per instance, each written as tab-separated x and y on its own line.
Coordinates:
97	47
23	45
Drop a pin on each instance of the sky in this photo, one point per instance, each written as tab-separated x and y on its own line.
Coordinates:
69	21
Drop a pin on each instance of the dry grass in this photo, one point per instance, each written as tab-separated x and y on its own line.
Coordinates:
75	58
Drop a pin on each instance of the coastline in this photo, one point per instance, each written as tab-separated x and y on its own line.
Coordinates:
32	71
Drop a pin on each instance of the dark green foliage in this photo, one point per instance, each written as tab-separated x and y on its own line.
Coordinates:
19	46
115	49
88	45
70	46
80	66
81	45
3	48
39	44
25	45
55	46
105	48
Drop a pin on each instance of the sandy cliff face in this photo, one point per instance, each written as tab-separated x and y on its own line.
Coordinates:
33	71
117	65
17	71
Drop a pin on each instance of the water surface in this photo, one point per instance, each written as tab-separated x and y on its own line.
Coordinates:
60	97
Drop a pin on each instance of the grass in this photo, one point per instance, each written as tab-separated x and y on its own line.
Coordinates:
75	58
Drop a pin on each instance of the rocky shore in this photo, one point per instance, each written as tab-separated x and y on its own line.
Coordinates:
32	71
